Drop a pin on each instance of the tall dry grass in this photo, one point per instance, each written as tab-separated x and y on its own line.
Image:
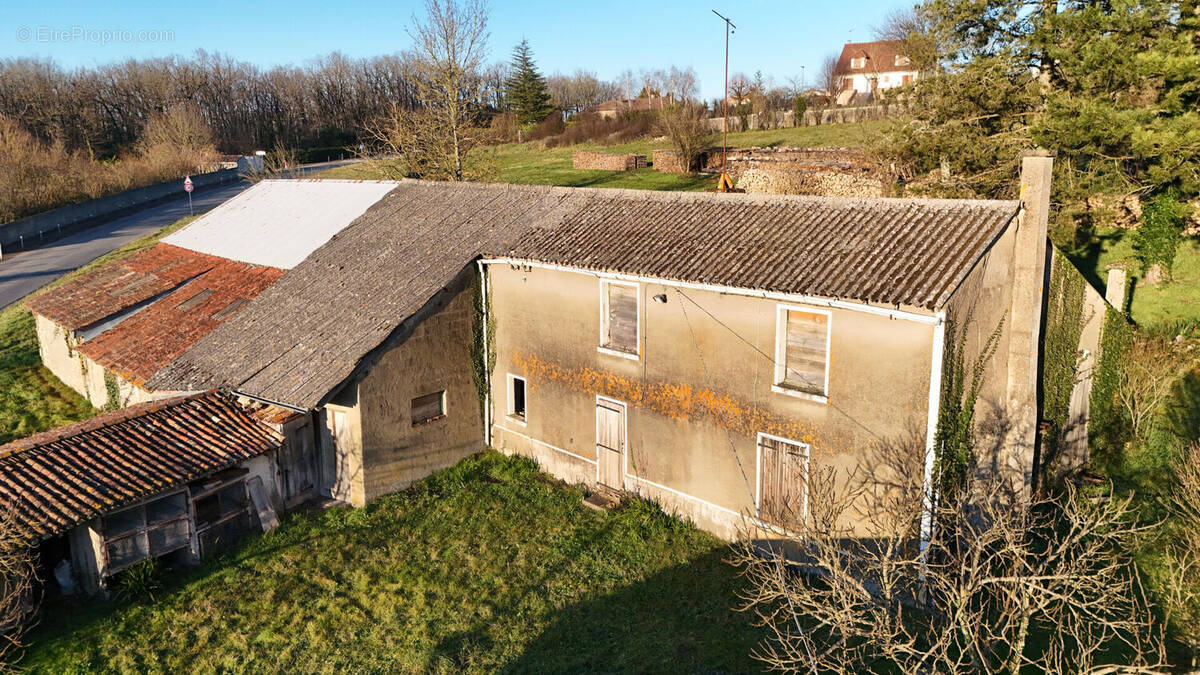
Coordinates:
36	177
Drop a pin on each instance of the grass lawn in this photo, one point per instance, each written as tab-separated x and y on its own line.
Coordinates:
527	163
489	565
1175	301
31	398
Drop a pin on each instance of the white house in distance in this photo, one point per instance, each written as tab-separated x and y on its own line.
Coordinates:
867	67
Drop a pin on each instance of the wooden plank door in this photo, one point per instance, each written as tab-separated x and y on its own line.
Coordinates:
783	482
610	443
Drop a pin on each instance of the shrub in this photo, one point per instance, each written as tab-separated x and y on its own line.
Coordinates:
1156	241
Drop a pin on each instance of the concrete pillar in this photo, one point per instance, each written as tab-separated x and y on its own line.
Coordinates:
1025	315
1115	287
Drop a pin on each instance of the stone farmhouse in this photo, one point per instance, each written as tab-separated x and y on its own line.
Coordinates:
708	351
865	68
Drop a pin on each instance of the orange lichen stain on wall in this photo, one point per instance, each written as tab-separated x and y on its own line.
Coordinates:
676	401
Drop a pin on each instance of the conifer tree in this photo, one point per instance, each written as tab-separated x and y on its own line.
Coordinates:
525	90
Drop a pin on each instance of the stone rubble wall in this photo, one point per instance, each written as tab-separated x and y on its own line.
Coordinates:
607	161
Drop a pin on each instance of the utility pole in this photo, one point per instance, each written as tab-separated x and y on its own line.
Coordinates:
725	184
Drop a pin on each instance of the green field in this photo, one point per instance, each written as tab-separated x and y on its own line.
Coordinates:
31	398
529	163
487	566
1175	301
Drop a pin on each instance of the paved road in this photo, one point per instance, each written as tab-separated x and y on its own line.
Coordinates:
25	272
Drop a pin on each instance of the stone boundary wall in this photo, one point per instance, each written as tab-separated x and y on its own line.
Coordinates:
607	161
812	117
667	161
44	227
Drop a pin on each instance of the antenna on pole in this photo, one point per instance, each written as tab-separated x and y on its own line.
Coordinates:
725	184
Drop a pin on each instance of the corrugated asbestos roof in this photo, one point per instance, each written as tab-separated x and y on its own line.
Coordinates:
58	479
139	346
120	285
892	251
303	336
277	223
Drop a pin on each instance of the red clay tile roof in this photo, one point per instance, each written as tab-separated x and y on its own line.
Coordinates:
881	57
56	480
142	344
120	285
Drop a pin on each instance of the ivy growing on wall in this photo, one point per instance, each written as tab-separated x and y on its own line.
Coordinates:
1107	430
1060	355
114	401
954	448
483	341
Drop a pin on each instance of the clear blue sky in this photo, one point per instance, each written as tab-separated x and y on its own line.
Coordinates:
604	36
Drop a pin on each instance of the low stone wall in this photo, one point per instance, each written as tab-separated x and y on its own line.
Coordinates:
778	181
812	117
607	161
47	226
668	161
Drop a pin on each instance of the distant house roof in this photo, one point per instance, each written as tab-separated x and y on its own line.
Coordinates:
880	57
139	346
61	478
302	337
277	223
120	285
644	104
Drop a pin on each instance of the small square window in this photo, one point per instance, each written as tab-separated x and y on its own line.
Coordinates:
858	62
902	60
619	329
429	407
516	397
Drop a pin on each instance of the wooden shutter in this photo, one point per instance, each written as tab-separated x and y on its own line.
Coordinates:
783	482
622	318
428	407
806	351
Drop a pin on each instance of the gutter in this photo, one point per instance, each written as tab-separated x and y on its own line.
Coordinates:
487	375
931	424
733	290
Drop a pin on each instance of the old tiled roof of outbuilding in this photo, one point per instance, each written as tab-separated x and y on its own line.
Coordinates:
60	478
298	340
139	346
120	285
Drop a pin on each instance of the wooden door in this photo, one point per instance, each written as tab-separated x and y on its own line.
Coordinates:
297	460
783	482
610	443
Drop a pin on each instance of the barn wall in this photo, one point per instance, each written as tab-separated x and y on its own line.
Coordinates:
434	356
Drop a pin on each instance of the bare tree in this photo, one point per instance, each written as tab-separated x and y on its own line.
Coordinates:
998	587
1146	379
18	576
686	126
451	43
827	76
1181	583
915	28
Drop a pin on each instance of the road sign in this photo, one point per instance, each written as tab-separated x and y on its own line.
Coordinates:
187	184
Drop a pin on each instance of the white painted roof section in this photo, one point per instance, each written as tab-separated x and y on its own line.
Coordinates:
279	222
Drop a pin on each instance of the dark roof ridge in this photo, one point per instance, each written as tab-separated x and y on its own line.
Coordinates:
670	195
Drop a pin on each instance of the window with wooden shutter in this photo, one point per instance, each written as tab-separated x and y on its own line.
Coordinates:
619	318
428	408
802	354
783	482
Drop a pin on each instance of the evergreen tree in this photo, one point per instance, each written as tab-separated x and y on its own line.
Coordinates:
1113	87
525	90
